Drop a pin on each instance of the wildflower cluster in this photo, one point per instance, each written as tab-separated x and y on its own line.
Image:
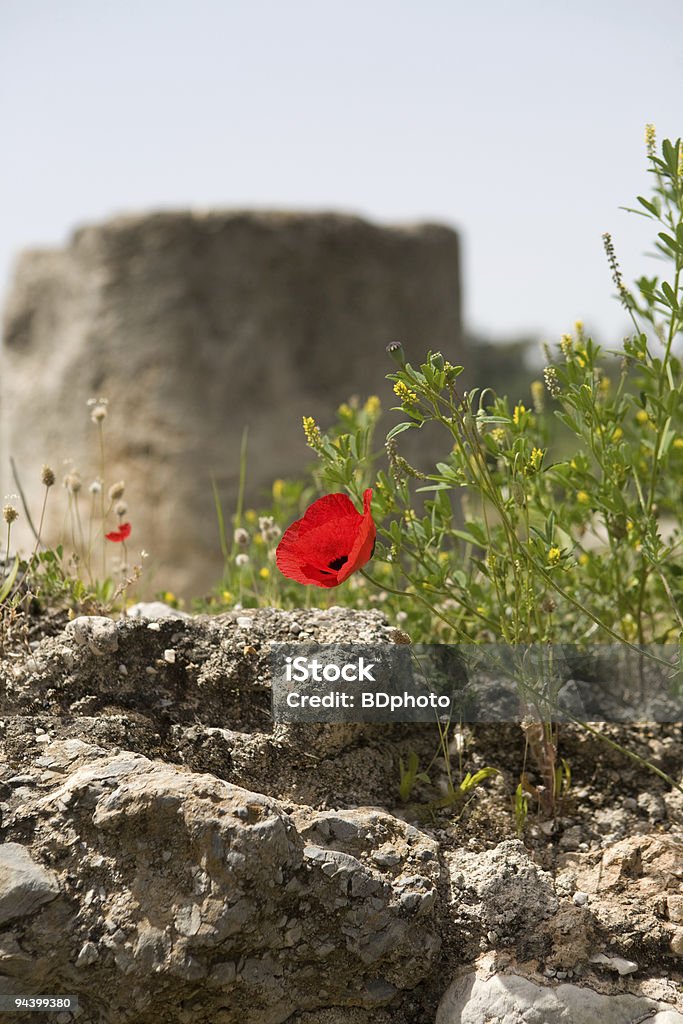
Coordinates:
75	571
528	530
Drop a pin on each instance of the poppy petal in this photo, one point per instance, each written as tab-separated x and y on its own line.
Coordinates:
119	535
330	542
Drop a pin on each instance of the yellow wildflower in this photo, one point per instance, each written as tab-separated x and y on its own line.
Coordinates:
227	596
678	443
628	626
345	410
536	459
373	406
517	413
278	489
618	434
554	555
264	573
642	416
584	559
537	395
403	392
312	433
583	497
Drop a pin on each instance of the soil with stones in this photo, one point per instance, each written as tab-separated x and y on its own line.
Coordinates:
170	853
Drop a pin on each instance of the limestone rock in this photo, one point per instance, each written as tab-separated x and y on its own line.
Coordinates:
182	883
24	885
195	326
511	999
501	894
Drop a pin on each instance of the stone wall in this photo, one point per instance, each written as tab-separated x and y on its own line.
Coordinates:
195	326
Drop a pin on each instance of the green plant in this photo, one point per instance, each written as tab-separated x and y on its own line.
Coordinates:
64	576
410	774
508	536
549	549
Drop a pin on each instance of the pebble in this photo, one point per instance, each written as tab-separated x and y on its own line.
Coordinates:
243	622
154	626
653	805
580	899
169	656
615	963
95	632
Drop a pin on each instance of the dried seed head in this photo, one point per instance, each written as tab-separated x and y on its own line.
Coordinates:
95	487
120	508
268	528
47	476
623	291
116	490
98	413
9	514
72	482
242	560
241	537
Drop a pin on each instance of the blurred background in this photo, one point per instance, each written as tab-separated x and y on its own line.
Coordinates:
521	125
512	131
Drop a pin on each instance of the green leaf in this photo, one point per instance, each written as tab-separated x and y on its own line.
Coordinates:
399	428
670	295
473	536
9	582
648	206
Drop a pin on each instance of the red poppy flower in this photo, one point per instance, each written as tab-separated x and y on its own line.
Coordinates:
331	541
123	533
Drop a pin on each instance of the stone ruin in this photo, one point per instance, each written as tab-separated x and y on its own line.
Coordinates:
195	326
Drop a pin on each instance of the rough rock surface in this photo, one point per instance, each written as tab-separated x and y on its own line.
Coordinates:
514	999
204	899
171	854
195	325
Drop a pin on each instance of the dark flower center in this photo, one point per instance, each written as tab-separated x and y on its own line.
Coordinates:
338	562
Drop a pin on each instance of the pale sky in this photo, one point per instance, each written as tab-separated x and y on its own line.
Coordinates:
520	124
